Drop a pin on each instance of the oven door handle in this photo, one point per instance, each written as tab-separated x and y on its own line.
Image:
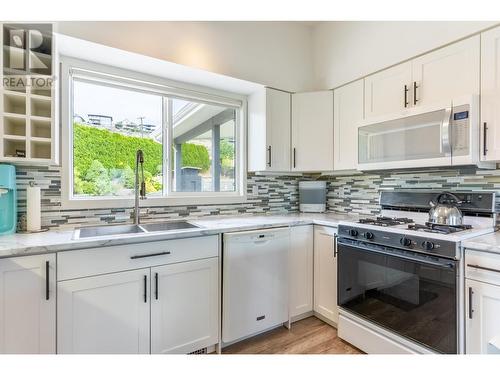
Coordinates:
448	265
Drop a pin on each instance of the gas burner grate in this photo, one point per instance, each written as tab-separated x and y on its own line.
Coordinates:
438	228
385	221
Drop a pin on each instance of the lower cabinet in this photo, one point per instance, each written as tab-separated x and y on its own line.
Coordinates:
483	323
105	314
325	273
28	305
184	306
301	270
159	297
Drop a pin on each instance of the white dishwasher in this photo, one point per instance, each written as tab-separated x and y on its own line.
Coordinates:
255	282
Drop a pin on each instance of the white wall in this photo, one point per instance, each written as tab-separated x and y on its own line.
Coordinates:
345	51
277	54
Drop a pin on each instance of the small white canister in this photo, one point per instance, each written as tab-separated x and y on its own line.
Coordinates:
312	196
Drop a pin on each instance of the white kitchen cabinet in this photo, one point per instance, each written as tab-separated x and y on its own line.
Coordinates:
490	95
483	323
312	131
447	73
388	91
325	273
269	126
301	270
184	306
348	111
28	305
105	314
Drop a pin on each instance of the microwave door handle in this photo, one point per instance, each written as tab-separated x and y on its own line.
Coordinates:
445	132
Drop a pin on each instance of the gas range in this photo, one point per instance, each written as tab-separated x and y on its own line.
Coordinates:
403	223
400	278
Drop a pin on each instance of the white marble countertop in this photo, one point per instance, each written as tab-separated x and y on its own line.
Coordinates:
54	241
488	242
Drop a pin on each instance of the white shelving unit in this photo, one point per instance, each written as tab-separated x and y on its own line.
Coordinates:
27	114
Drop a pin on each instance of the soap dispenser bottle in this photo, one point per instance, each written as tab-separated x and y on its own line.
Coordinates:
8	199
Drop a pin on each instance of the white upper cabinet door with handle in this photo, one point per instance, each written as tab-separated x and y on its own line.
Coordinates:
269	122
312	131
447	73
388	91
185	306
483	323
301	270
347	113
106	314
490	95
28	305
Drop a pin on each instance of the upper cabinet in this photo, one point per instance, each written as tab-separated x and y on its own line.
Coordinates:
347	113
312	131
447	73
388	91
490	95
28	108
269	122
444	74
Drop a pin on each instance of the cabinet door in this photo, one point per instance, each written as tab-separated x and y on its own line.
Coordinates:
28	305
106	314
388	91
312	131
483	324
301	270
185	306
447	73
278	124
348	112
490	94
325	273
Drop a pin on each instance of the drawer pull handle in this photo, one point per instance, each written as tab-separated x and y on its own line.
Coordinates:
150	255
483	268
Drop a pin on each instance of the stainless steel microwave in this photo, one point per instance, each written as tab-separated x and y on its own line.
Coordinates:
445	134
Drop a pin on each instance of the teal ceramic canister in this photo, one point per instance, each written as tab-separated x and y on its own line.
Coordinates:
8	199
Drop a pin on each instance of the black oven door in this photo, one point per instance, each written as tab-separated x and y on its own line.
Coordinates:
412	295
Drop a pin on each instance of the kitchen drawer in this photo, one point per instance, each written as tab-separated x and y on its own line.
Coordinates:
482	266
88	262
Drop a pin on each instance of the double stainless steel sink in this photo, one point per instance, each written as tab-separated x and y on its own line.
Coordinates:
118	230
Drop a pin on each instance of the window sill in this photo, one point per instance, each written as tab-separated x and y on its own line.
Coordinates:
107	203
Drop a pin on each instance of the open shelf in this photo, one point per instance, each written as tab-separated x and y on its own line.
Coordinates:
14	126
40	149
14	103
11	146
41	128
40	107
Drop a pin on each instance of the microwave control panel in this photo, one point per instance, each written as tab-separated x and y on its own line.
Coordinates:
460	126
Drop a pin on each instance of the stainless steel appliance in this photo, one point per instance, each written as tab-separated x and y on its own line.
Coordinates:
439	135
445	211
400	280
312	196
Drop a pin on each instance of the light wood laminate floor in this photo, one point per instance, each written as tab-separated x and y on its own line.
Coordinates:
307	336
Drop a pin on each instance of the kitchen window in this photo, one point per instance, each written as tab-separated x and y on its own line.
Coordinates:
192	141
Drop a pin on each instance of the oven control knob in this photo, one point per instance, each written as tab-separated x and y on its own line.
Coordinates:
368	235
405	241
353	232
427	245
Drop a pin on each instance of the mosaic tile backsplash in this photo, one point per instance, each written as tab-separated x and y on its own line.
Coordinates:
275	194
359	193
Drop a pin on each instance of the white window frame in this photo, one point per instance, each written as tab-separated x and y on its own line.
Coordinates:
71	68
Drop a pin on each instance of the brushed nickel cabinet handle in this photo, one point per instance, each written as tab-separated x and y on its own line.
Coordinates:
415	100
